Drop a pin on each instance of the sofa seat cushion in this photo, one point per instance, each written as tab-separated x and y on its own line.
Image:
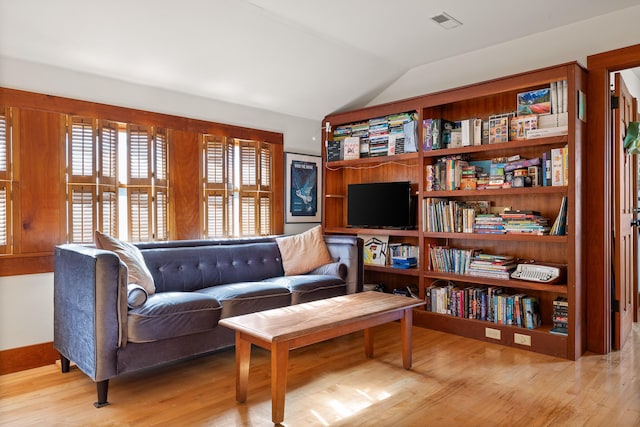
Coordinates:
248	297
171	314
311	287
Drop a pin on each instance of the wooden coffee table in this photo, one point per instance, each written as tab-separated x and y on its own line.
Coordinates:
283	329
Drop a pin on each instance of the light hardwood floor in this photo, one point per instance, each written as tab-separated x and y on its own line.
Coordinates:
454	381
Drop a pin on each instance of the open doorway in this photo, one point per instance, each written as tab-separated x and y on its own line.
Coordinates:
601	186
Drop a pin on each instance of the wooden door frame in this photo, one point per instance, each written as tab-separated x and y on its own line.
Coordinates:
599	183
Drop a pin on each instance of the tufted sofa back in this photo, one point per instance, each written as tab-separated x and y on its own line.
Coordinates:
189	268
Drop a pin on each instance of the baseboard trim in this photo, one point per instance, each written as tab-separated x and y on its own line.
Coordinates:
23	358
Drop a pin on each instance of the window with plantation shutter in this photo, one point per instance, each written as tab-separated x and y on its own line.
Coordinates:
5	180
247	215
97	188
237	187
147	183
265	214
82	153
265	167
219	155
255	188
81	213
108	208
139	154
139	201
161	218
108	151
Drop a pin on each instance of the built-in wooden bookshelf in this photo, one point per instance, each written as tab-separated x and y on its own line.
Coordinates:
480	101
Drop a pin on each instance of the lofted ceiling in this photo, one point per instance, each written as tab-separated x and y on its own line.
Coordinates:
303	58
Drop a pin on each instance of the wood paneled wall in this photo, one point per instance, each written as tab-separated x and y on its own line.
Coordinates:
39	182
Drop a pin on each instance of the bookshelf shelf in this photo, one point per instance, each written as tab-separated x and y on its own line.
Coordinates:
498	237
515	284
526	191
377	161
504	146
479	101
388	269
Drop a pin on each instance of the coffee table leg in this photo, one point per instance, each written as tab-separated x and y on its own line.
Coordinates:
405	325
368	342
243	360
279	367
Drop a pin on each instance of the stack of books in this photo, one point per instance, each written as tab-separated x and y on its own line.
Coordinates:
524	222
361	130
404	262
378	136
488	224
495	266
396	131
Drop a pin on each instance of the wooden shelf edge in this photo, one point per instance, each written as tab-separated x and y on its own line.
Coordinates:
367	160
375	231
388	269
514	284
524	191
537	142
510	237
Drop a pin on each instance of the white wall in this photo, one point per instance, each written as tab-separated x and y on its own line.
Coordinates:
565	44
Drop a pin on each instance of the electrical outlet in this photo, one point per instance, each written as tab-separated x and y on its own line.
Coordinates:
522	339
492	333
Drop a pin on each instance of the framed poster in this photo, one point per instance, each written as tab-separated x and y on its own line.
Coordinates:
303	180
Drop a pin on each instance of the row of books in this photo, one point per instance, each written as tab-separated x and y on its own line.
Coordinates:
538	113
460	173
380	136
470	262
453	216
490	304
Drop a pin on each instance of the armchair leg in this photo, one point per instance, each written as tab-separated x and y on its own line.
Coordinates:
103	388
64	364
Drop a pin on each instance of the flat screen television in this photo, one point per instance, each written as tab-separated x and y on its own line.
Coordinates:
381	205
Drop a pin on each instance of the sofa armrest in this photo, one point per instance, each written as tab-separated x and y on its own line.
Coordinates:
90	308
348	250
337	269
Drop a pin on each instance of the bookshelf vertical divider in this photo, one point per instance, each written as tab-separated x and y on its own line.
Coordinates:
480	100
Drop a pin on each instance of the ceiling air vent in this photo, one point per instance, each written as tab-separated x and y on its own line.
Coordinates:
446	21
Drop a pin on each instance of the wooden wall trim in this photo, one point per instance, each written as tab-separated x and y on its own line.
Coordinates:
51	103
32	356
599	189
